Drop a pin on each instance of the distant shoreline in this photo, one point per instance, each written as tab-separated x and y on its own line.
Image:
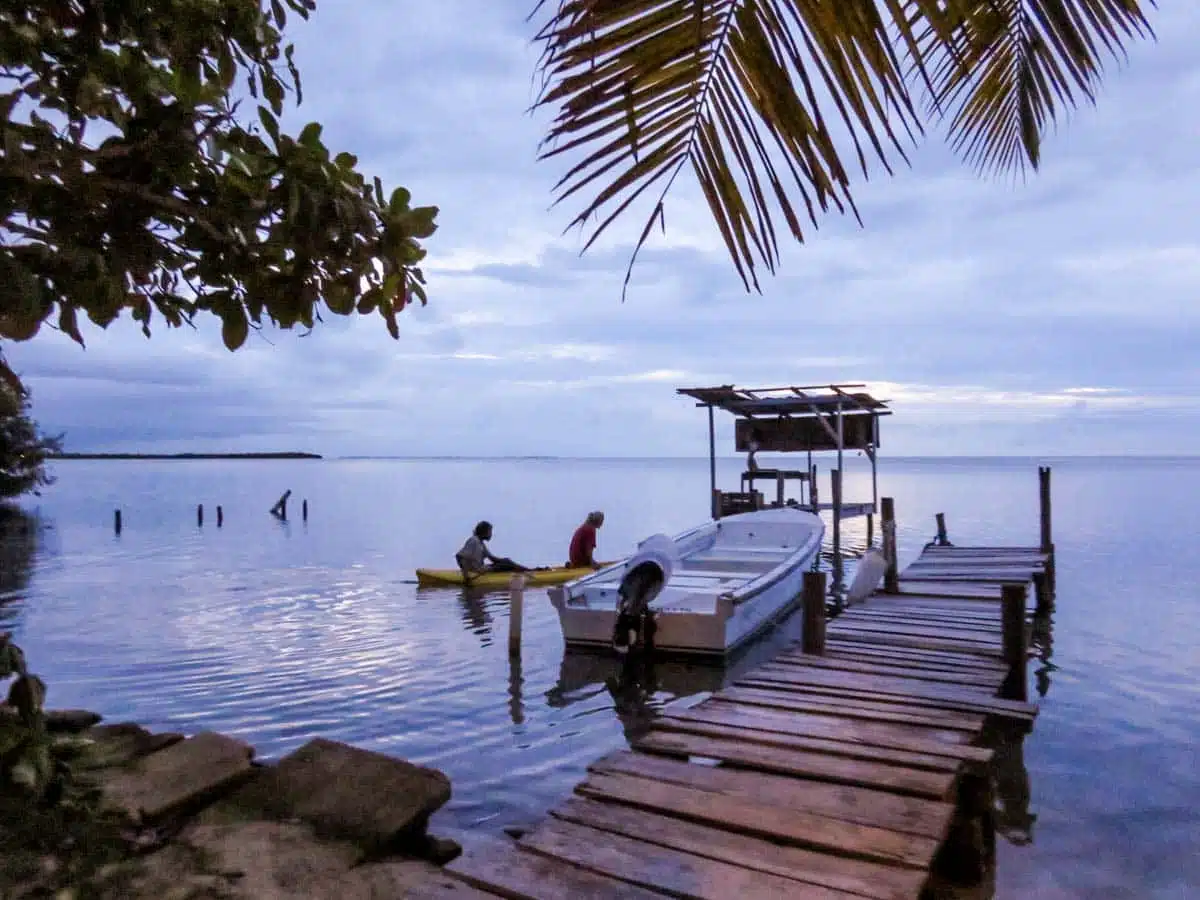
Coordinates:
284	455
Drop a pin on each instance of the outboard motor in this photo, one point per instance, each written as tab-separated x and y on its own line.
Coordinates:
647	571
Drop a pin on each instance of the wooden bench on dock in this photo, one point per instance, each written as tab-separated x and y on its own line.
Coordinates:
828	776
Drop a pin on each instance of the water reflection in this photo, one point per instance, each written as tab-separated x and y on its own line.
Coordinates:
475	614
1041	641
1012	787
19	533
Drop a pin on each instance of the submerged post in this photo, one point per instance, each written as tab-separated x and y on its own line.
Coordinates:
891	576
812	640
117	521
220	517
1013	639
304	510
200	514
516	603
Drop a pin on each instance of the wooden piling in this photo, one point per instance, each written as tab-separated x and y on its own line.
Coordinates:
813	492
1041	589
117	521
516	604
220	517
891	577
200	515
1044	498
1014	640
813	639
835	494
942	539
304	510
870	529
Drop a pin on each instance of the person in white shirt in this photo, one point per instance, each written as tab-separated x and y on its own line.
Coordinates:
474	557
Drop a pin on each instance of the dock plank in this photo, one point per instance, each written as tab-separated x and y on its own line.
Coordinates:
862	806
915	641
764	820
859	877
800	763
801	742
985	704
949	658
507	870
945	589
899	669
895	737
683	875
937	632
764	691
883	685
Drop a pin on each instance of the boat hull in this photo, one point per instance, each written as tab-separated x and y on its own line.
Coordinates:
737	611
533	578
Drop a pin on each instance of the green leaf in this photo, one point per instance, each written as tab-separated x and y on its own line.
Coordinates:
400	200
421	221
310	136
270	124
346	161
234	327
273	91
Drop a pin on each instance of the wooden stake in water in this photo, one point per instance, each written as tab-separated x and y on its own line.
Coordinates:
516	603
220	517
117	521
304	510
942	539
200	515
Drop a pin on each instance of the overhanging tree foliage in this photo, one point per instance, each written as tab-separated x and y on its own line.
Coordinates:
23	448
131	178
749	95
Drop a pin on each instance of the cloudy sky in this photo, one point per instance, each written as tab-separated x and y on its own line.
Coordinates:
1056	316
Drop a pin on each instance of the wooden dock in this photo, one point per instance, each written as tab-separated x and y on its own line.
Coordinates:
840	773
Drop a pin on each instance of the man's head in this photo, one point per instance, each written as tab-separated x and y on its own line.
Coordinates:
483	531
595	518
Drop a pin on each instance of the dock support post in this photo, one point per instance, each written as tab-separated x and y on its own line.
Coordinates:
813	638
891	576
200	515
1047	526
516	604
712	461
835	494
1014	640
813	492
117	521
870	530
1041	590
220	517
942	539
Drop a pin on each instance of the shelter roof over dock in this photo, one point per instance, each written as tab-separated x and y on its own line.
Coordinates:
795	401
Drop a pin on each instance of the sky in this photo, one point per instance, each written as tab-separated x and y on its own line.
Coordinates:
1051	316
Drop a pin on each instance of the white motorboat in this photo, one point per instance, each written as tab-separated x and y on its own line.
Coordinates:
721	583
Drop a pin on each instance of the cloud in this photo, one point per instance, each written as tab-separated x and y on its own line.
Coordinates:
1055	314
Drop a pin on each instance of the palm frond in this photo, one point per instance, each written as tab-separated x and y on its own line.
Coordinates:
750	94
742	91
1014	65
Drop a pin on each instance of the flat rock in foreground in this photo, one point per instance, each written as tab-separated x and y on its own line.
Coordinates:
120	744
372	800
186	774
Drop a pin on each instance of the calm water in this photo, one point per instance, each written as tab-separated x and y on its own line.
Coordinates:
281	632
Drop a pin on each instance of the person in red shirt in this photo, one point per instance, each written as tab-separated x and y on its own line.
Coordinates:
582	554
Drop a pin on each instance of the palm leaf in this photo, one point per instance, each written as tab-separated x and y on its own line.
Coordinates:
762	98
1014	65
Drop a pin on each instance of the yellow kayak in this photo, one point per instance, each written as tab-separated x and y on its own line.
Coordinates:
533	578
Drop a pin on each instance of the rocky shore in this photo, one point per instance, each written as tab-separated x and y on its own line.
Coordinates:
174	818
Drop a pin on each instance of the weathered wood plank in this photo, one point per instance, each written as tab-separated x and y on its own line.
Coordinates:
984	632
866	879
946	590
985	704
764	820
980	577
763	691
844	624
862	806
950	744
898	606
957	658
907	640
900	669
677	874
801	742
800	763
510	872
883	685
